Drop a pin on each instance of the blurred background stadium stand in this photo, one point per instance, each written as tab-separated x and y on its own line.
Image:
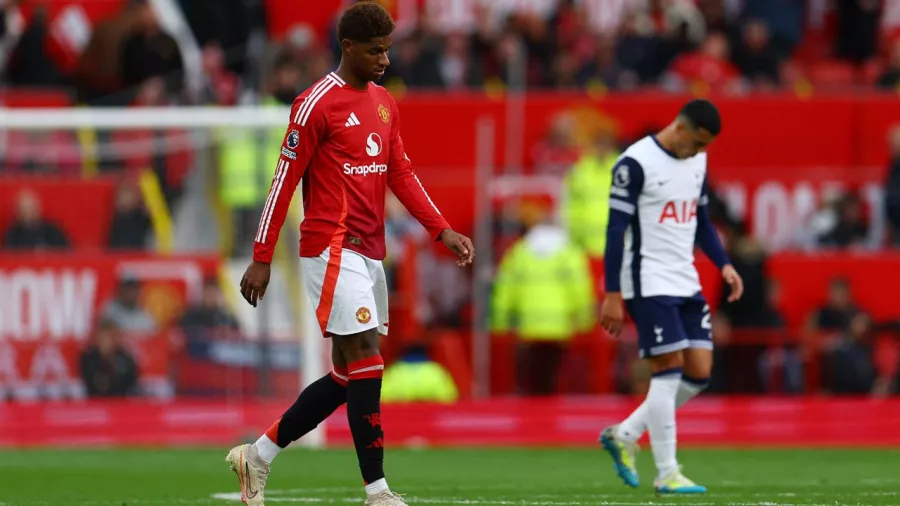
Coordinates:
123	246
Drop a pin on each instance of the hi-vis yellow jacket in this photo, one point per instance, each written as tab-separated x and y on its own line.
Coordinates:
247	161
544	289
419	381
585	204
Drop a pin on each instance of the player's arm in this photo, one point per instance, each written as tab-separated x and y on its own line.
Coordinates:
628	181
402	180
708	240
706	236
305	131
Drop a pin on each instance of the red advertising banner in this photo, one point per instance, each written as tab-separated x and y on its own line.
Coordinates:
50	303
519	422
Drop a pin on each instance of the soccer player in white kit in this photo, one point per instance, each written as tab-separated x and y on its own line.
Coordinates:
658	213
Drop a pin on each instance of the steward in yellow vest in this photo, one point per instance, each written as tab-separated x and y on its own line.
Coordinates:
585	203
544	293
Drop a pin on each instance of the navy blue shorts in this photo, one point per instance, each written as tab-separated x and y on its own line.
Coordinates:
668	324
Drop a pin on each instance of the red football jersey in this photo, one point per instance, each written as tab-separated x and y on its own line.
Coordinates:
345	145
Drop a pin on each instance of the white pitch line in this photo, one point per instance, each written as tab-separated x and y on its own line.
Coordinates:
273	494
480	489
317	490
729	494
236	496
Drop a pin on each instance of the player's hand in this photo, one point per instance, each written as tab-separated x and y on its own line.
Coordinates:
734	281
611	313
255	281
459	244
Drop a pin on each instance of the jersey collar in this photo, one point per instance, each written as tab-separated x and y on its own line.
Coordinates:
666	151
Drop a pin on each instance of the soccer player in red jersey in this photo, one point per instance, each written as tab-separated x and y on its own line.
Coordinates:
344	143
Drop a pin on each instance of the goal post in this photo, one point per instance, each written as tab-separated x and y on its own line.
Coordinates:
142	118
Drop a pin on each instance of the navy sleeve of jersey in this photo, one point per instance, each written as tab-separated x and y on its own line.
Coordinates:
707	237
627	183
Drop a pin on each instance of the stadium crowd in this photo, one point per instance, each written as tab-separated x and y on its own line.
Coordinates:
724	46
727	45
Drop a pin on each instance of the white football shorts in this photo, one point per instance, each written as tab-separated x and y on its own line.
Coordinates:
348	292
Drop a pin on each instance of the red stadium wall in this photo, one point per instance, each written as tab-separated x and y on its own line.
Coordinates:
772	146
705	421
804	279
773	158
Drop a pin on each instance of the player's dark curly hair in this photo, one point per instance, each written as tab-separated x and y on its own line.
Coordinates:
365	21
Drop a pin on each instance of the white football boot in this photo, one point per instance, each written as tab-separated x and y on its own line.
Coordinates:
251	476
386	498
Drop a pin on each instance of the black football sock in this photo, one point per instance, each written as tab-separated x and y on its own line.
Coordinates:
364	415
315	403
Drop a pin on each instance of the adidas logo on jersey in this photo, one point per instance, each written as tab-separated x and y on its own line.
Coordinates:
352	120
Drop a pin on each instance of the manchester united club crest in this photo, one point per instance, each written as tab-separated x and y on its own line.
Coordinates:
383	113
363	315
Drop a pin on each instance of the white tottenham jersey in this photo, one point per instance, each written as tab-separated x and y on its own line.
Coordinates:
661	193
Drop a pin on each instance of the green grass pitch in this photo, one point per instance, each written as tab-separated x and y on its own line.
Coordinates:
452	477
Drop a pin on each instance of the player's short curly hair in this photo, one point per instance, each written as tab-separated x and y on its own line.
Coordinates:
365	21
